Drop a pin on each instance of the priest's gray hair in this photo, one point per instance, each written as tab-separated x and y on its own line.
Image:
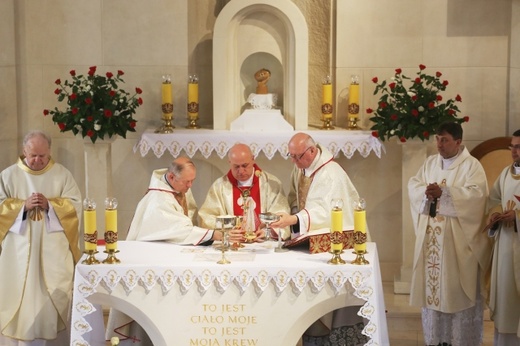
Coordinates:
36	133
178	165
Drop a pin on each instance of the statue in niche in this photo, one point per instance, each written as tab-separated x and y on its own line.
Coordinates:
262	76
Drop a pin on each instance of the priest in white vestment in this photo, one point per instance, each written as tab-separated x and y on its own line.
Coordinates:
315	181
447	199
244	179
39	207
504	220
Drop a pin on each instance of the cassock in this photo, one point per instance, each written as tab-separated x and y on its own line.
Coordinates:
225	197
160	216
37	254
504	301
451	252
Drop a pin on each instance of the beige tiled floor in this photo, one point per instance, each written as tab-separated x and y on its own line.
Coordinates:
404	321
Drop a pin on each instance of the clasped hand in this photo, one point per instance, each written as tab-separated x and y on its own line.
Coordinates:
433	191
36	200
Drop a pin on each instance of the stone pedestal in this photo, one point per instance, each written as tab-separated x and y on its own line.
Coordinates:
414	153
98	177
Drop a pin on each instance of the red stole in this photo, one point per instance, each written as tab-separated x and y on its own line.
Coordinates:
254	192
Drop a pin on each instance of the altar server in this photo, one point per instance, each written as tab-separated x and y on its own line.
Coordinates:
39	207
244	179
447	199
504	219
168	211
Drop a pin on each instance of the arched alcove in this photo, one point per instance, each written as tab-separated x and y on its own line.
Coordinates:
246	28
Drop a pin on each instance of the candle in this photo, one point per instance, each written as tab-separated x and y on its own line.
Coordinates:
89	225
166	91
326	105
111	223
193	97
336	226
353	98
360	226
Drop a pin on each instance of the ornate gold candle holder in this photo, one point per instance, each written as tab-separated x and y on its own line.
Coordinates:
193	103
166	106
326	105
336	231
111	257
360	235
91	257
353	104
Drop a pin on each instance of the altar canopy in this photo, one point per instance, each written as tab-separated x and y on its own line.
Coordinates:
180	293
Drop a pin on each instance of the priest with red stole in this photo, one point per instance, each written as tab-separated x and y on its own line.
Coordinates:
244	179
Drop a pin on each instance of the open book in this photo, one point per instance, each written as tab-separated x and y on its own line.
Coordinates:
319	240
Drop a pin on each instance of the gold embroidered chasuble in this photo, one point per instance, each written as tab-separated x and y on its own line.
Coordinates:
38	305
450	248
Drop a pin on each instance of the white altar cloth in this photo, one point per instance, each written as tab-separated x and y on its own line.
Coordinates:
206	141
261	298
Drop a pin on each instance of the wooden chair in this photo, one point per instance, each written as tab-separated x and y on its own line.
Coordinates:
494	155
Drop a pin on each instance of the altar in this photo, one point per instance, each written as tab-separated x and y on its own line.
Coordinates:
262	297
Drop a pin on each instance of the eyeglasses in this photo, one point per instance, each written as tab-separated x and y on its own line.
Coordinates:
297	157
514	147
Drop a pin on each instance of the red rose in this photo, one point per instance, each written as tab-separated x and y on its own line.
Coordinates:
57	91
74	110
72	73
382	104
57	81
422	67
402	139
140	101
374	79
90	118
108	113
398	71
133	124
431	105
138	90
414	98
90	133
466	119
426	134
88	100
393	117
451	112
391	85
109	75
120	73
375	134
439	98
417	80
445	83
73	96
458	98
438	74
61	126
415	112
45	112
369	110
112	93
92	70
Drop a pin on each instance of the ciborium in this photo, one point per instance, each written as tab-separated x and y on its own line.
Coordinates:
224	224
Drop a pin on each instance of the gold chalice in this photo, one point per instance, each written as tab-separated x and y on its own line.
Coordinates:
224	224
268	218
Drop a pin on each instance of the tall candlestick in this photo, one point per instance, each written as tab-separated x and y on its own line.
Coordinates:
111	223
326	104
166	105
193	102
353	102
360	227
336	231
89	224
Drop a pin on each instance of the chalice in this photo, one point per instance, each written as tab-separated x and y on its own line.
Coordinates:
268	219
224	224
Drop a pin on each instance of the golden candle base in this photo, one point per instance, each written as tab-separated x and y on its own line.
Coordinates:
352	123
327	124
91	259
360	258
167	127
336	258
192	123
111	258
236	245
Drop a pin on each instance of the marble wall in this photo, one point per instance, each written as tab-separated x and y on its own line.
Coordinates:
42	40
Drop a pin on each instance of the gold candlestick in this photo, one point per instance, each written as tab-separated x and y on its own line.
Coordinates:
166	106
360	235
326	104
193	103
91	258
353	103
111	230
336	231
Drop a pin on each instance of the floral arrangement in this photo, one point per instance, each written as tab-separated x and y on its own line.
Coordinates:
96	105
412	112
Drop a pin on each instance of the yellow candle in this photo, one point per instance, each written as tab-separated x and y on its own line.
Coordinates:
360	225
193	99
89	222
111	226
353	98
166	90
326	105
336	229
